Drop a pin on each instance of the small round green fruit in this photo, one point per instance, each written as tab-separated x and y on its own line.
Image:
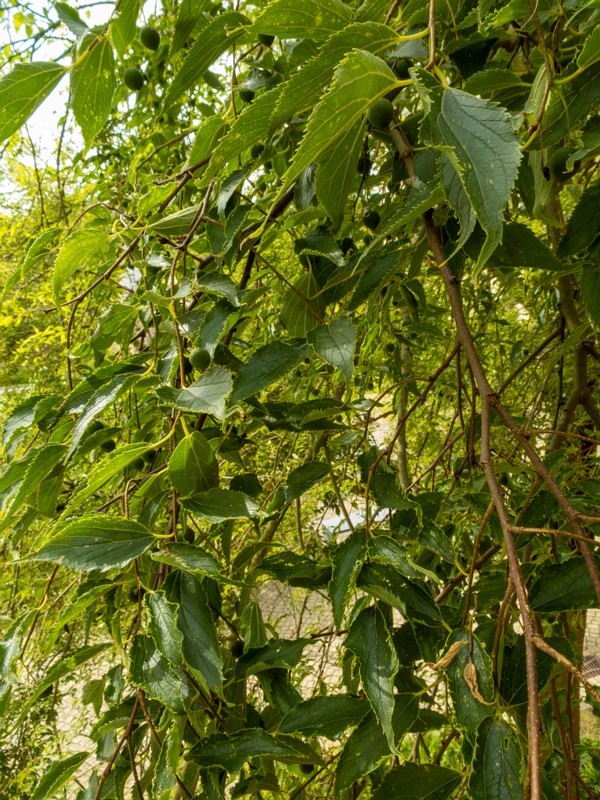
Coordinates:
138	465
133	79
150	37
257	150
148	457
557	164
266	38
189	535
371	220
380	113
346	244
200	358
108	446
401	69
246	95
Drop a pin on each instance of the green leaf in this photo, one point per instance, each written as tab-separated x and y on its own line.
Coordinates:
251	127
105	396
370	641
513	683
218	505
209	134
359	80
469	710
418	782
39	468
303	306
368	746
590	52
277	653
97	541
487	150
520	248
582	230
337	172
191	558
232	751
590	288
563	587
122	29
104	471
315	19
335	343
71	19
193	467
267	365
388	551
200	644
93	84
23	90
348	559
497	769
302	478
305	87
189	17
165	775
388	584
160	679
176	224
375	275
208	394
57	775
216	283
163	626
325	716
87	247
212	42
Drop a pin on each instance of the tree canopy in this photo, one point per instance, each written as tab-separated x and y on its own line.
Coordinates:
306	293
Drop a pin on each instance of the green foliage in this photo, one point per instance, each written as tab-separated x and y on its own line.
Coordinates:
314	313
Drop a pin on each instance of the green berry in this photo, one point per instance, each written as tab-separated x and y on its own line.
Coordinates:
380	113
401	69
133	79
150	37
371	220
257	150
189	535
346	244
108	446
200	358
266	39
246	95
139	464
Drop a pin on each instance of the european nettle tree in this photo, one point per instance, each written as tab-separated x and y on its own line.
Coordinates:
334	261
